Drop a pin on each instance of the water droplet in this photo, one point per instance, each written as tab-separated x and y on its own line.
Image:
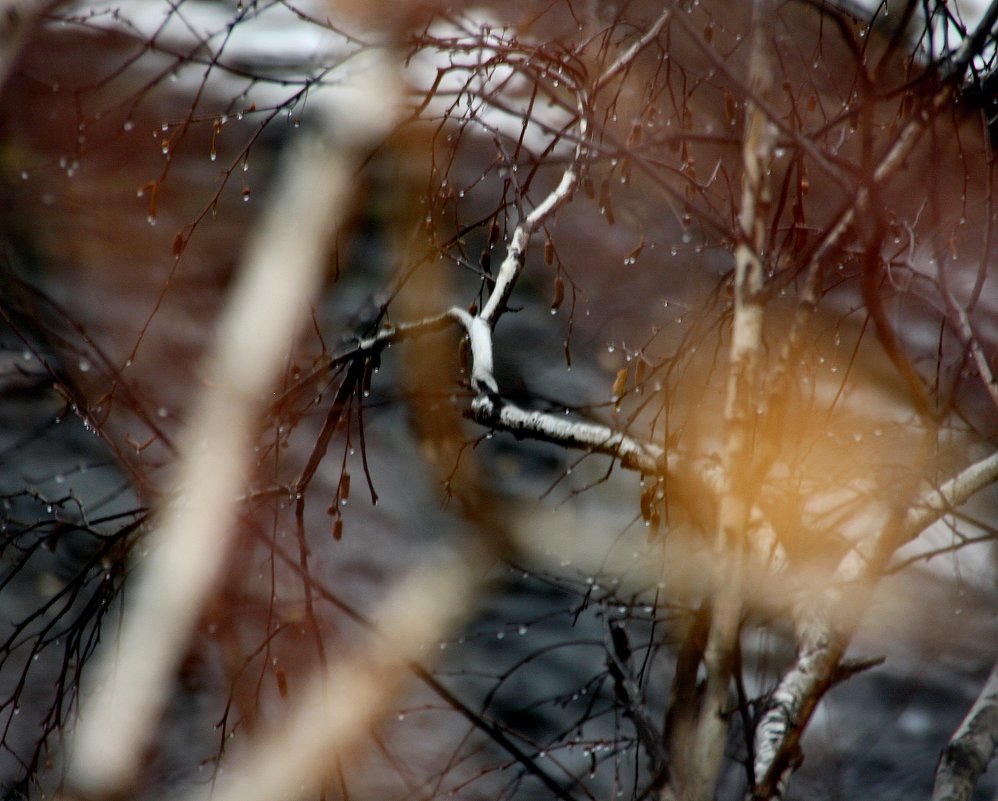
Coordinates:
162	412
84	366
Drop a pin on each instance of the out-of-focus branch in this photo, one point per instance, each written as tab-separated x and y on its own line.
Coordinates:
17	19
281	275
343	703
973	746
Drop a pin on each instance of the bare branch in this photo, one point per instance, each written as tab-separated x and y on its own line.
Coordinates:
954	492
824	627
973	746
628	56
645	457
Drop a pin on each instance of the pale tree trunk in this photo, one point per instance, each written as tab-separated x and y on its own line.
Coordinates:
740	421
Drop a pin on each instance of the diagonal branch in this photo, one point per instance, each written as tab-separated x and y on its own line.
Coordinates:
188	551
973	746
351	696
823	631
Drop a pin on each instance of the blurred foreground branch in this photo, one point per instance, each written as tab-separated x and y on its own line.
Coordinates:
282	273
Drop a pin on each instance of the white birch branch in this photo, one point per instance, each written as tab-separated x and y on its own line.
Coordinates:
739	418
512	264
961	323
633	453
628	56
820	640
972	747
824	627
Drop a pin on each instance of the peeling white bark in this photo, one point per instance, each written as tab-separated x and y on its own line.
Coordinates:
736	501
824	627
512	264
645	457
972	747
822	635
